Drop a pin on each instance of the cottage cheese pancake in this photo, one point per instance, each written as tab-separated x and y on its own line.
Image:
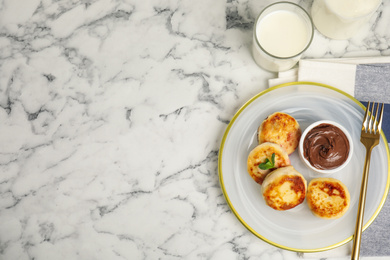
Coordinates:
328	198
284	188
282	129
260	154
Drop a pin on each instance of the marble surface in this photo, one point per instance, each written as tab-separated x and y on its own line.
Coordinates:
112	113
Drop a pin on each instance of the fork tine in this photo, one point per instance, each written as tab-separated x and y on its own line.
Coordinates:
371	122
380	118
365	120
375	124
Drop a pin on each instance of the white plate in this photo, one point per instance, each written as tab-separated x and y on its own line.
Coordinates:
298	229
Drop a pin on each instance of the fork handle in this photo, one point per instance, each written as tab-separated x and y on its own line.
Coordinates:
362	202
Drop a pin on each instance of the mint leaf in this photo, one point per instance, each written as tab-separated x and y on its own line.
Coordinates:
268	164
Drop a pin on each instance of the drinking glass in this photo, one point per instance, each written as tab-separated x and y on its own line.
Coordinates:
282	32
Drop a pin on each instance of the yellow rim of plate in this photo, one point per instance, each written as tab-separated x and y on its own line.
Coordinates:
382	202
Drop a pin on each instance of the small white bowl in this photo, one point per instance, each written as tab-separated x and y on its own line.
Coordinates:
308	164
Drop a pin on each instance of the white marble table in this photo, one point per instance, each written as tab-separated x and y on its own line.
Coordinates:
111	117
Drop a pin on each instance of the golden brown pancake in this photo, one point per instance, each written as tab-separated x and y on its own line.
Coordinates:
260	154
282	129
284	188
328	198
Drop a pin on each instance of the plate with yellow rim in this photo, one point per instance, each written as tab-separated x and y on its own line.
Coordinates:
298	229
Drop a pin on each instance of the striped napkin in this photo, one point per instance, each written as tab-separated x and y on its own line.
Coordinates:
366	79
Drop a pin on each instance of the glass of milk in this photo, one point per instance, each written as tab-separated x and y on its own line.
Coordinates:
342	19
282	32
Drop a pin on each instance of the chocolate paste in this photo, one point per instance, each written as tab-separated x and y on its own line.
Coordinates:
326	147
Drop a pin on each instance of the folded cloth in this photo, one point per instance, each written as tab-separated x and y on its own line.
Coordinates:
366	79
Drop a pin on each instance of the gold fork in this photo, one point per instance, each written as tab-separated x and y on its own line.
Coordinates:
370	138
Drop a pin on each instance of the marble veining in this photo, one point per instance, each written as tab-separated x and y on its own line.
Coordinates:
111	117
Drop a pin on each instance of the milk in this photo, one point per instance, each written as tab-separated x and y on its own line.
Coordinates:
281	33
342	19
